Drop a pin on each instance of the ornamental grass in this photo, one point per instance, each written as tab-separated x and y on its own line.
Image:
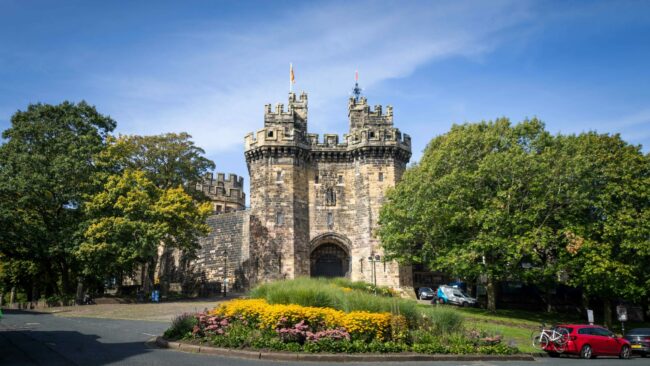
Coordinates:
347	296
339	293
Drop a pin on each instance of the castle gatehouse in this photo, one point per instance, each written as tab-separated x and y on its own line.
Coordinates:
314	202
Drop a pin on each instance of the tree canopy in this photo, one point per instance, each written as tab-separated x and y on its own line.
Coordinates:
500	202
46	166
76	201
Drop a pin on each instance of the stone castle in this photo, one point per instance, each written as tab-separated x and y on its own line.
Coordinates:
314	203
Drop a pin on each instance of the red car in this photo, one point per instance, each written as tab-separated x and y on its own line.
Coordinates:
589	341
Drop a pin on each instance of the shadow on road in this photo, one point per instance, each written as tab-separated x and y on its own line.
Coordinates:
36	347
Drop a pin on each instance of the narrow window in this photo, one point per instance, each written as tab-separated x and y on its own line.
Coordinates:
330	220
361	263
372	135
280	263
316	179
330	197
381	176
278	176
340	179
279	218
270	134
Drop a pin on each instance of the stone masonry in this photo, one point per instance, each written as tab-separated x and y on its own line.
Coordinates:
314	203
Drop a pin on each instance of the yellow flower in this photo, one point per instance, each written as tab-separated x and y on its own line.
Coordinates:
267	316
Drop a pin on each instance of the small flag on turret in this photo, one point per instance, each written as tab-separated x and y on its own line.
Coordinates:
292	78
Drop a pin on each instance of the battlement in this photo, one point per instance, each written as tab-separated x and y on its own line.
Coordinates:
362	137
362	116
275	136
369	128
224	192
294	116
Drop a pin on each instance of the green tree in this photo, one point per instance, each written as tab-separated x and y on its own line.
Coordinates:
168	160
45	169
131	217
482	202
607	232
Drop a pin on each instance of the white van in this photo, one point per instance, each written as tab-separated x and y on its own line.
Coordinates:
454	295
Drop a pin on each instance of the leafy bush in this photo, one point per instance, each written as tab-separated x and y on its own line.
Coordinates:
497	349
182	326
439	320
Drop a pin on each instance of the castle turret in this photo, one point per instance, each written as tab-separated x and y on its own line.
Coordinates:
226	194
276	157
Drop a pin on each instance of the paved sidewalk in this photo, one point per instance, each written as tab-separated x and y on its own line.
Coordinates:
165	311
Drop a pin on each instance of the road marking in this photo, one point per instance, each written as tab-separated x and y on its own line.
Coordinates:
32	323
150	335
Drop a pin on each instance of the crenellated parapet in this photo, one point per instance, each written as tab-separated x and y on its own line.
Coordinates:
293	117
362	116
226	193
371	132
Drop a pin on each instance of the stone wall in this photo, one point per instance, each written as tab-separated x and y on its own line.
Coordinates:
224	250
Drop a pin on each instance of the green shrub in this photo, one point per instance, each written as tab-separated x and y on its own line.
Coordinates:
181	327
439	321
497	349
458	344
329	345
429	348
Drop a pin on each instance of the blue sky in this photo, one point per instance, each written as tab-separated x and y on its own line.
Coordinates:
208	67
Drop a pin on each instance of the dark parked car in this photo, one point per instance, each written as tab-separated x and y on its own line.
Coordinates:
589	341
425	293
639	341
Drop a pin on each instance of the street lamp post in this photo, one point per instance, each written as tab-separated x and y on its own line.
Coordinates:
225	272
374	258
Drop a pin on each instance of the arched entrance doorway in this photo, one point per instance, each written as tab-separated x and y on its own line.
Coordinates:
329	256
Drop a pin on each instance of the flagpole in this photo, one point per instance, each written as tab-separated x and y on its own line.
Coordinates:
290	75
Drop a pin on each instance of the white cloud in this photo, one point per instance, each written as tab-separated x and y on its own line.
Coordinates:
634	127
213	80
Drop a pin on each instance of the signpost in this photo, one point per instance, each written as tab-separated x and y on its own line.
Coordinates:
590	316
621	311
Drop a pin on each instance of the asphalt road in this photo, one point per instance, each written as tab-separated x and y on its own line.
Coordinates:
28	338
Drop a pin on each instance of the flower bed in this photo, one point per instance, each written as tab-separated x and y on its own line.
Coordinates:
256	324
359	324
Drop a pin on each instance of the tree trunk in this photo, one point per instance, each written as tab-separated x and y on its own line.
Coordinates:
585	301
12	296
80	291
471	288
607	306
2	298
547	299
146	284
66	287
491	295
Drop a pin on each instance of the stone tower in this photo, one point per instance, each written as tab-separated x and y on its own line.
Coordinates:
226	194
315	203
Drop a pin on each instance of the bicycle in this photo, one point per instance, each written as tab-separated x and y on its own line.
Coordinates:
556	336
